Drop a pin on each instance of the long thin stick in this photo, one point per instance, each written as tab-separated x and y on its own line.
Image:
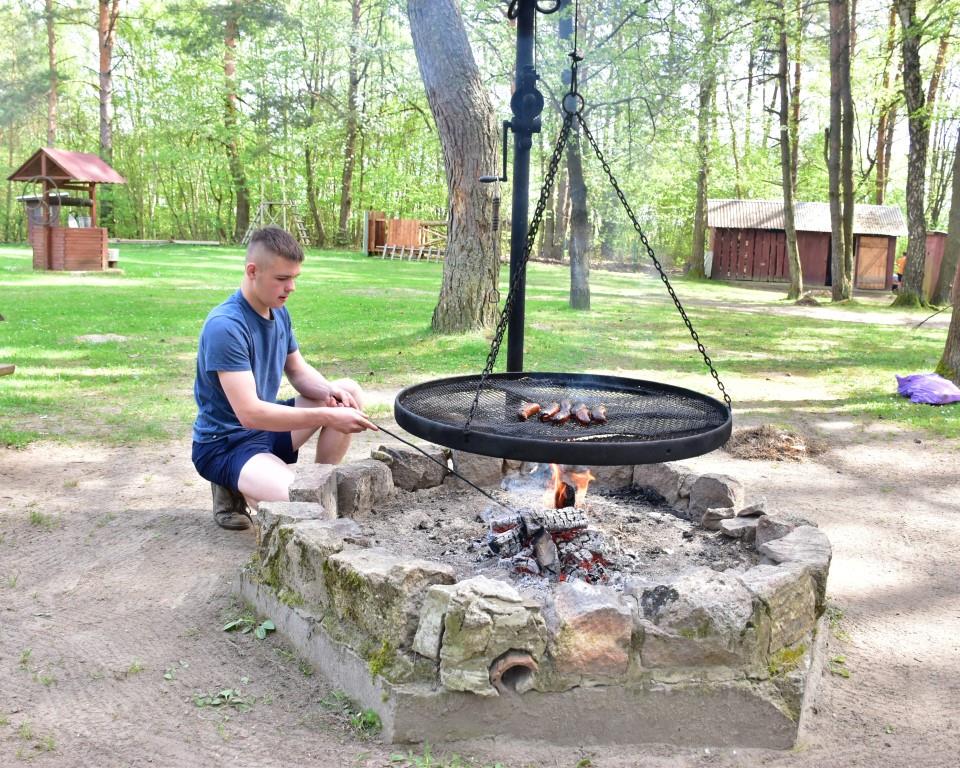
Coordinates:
932	316
440	463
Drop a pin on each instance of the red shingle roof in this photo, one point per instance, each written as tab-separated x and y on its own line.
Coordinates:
67	166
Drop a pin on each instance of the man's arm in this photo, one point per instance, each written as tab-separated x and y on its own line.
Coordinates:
309	382
254	413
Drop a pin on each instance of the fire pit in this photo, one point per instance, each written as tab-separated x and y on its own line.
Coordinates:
606	604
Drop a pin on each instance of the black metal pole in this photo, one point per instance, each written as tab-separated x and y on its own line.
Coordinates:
525	123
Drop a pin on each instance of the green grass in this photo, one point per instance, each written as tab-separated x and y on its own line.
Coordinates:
370	320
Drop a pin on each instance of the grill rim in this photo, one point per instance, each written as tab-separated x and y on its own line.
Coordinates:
614	453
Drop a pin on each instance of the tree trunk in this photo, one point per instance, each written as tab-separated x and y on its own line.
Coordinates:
579	226
840	290
910	292
887	110
708	84
786	164
846	149
949	365
468	135
54	85
795	95
319	234
951	252
350	140
108	12
561	215
230	121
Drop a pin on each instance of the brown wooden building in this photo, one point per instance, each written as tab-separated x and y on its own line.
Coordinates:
62	215
748	242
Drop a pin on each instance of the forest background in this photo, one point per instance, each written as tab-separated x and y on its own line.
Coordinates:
207	108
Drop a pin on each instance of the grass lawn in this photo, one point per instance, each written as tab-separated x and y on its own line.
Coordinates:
370	319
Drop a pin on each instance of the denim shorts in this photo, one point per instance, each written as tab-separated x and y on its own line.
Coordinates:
221	460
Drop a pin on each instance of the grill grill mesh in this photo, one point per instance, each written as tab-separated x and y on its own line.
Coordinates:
637	411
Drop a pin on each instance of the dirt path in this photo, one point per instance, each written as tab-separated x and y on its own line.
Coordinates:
115	583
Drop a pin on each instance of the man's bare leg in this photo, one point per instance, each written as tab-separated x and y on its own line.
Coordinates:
265	477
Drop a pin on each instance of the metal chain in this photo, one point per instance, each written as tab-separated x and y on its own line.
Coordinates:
525	256
653	258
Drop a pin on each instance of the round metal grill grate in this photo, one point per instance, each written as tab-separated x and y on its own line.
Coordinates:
646	421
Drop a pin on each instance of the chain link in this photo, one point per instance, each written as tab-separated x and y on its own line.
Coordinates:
576	111
653	258
524	258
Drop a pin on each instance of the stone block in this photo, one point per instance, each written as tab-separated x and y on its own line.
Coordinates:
381	593
754	508
714	516
272	514
471	626
740	528
293	562
665	479
591	628
777	526
317	484
789	600
699	618
612	478
807	546
715	491
485	471
411	470
361	485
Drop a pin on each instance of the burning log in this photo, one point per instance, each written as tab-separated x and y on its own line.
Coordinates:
552	520
565	495
545	552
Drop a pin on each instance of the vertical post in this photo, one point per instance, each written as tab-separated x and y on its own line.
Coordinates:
93	206
525	124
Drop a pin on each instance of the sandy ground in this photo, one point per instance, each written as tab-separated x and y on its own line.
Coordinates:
115	585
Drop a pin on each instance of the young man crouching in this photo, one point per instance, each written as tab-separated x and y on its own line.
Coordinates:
244	439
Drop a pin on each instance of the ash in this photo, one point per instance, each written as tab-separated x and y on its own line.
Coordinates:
629	534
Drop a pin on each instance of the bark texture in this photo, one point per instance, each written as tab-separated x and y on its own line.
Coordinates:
787	170
887	109
108	12
951	252
468	136
841	283
354	76
52	64
230	122
949	365
910	291
579	226
708	86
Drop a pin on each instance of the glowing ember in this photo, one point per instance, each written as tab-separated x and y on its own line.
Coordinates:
566	489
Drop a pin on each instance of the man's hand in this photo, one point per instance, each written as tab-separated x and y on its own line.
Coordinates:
348	420
340	396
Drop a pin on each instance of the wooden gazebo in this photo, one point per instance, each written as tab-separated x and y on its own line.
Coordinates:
62	239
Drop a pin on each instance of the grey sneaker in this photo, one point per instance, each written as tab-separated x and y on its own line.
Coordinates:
229	508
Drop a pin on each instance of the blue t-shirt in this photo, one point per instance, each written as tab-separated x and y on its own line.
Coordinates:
236	338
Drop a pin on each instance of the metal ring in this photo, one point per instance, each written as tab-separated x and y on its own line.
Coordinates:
575	108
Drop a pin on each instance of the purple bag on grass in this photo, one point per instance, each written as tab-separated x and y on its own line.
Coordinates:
929	388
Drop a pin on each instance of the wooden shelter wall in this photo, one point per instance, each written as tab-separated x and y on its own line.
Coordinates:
935	246
814	248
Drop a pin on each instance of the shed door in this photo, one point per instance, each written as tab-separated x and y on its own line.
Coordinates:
871	263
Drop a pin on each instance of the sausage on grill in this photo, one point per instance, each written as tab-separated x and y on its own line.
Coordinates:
528	410
582	414
599	414
563	415
547	414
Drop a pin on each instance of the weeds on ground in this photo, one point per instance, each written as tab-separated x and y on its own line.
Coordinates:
39	520
427	760
248	623
224	698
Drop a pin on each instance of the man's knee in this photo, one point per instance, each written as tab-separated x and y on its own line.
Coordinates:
353	388
265	477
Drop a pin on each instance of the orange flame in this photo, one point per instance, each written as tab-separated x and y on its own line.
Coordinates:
554	495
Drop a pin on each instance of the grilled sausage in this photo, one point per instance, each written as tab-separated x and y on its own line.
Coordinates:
599	414
528	410
582	414
563	415
547	414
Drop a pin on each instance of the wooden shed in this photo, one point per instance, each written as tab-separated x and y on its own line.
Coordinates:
748	242
935	247
62	215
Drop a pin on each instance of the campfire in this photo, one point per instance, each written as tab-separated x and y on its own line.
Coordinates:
556	541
